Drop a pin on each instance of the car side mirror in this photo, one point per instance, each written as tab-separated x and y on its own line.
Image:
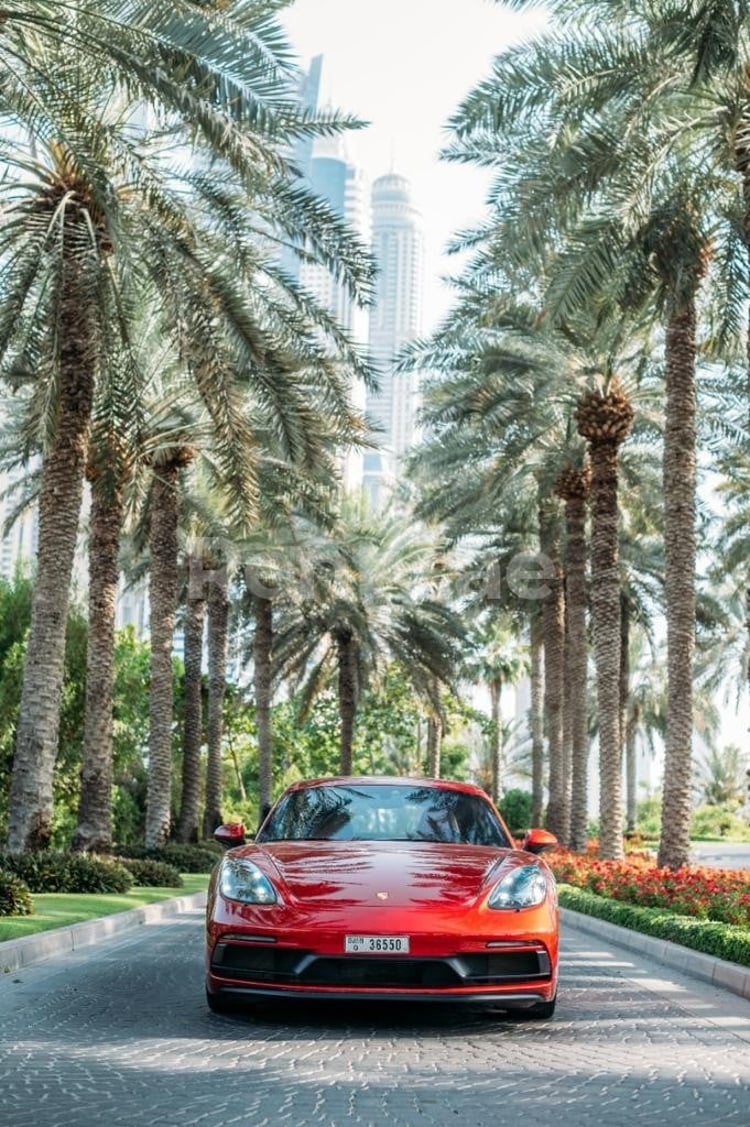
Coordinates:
230	834
538	841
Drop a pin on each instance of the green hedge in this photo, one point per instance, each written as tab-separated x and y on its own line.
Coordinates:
15	897
151	874
184	858
724	941
67	872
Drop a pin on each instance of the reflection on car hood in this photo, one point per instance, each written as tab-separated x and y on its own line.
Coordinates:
390	873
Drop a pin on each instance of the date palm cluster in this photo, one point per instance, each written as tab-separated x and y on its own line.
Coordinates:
160	353
595	356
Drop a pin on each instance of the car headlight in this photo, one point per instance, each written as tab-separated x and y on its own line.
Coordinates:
523	887
242	880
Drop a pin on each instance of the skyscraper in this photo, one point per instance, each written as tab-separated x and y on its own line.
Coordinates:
327	169
398	246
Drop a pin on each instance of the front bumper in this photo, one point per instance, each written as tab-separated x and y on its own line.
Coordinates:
516	973
455	955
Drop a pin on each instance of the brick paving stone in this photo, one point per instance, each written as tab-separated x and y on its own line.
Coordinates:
120	1034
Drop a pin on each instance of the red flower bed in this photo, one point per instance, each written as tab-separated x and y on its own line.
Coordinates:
708	894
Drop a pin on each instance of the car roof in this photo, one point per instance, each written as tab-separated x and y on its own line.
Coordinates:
390	780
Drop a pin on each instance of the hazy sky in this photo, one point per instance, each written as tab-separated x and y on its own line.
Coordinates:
404	66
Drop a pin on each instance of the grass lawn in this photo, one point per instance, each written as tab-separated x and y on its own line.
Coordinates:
61	909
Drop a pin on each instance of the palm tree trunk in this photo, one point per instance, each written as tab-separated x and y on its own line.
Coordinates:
30	801
188	827
567	736
679	571
496	746
94	829
605	419
553	618
605	606
218	642
630	779
434	744
536	719
577	657
742	164
347	698
631	776
163	602
262	649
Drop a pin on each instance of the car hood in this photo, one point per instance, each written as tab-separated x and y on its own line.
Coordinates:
391	874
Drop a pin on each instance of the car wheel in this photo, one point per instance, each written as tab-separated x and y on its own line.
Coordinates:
218	1004
540	1011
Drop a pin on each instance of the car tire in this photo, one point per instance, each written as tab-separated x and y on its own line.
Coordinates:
217	1004
541	1011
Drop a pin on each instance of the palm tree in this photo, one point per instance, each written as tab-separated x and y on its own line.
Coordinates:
188	825
163	585
221	66
572	486
361	609
218	623
64	249
605	418
501	659
263	682
536	717
107	472
553	625
621	133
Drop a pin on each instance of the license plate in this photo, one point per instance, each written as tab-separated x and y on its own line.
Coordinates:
376	944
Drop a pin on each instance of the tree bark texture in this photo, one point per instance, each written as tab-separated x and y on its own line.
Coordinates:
218	648
163	602
434	744
536	718
576	666
94	829
679	568
631	797
605	609
553	618
496	745
262	650
189	825
61	493
347	698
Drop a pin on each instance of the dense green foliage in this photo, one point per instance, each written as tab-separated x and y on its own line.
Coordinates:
179	858
67	872
389	738
148	873
130	724
724	941
515	807
15	896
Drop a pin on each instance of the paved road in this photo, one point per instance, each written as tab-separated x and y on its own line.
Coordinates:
119	1034
722	854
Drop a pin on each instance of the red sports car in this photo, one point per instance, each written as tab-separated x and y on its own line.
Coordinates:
383	888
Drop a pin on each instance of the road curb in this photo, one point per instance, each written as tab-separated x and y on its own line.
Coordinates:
18	953
719	972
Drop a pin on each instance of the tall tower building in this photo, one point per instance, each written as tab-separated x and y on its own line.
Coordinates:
326	167
338	181
398	246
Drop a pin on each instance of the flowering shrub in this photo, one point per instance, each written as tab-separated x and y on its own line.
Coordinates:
703	893
723	941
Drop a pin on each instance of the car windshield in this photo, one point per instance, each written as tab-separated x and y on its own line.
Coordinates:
384	813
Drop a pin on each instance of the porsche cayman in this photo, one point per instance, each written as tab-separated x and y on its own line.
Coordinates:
383	888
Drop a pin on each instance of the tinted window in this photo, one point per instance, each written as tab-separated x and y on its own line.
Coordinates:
384	813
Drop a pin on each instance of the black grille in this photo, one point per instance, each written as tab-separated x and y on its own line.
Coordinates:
303	968
352	971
